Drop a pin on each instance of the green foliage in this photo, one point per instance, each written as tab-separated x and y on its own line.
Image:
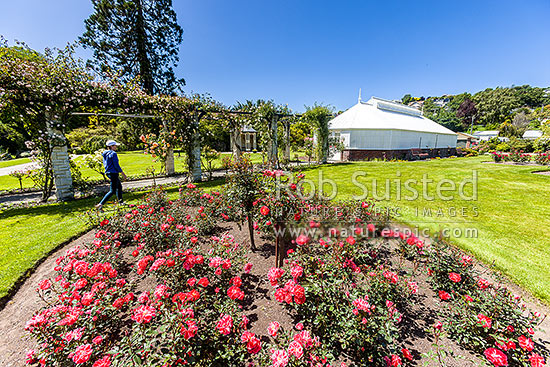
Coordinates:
208	157
263	117
519	144
146	42
79	183
19	175
214	133
490	107
480	315
298	132
495	105
318	116
503	147
94	162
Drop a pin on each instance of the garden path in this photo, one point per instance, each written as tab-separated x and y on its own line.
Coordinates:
18	167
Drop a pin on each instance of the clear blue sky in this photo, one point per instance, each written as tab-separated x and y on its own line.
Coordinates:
300	52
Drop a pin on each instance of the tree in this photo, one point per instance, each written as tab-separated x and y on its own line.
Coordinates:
467	112
530	96
136	37
407	98
520	124
495	105
13	133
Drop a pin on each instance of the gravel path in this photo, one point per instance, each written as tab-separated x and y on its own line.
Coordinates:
25	166
29	197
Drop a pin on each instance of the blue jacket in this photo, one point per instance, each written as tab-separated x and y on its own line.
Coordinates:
110	162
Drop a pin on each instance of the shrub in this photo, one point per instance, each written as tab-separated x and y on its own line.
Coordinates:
542	158
503	147
497	157
519	156
355	308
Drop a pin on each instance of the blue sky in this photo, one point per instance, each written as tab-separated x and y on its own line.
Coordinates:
301	52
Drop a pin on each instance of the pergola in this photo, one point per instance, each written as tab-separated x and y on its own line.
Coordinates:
246	140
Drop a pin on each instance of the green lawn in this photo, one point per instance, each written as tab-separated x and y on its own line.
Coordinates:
511	213
133	164
27	234
14	162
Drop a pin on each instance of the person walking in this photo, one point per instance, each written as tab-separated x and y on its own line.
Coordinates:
112	170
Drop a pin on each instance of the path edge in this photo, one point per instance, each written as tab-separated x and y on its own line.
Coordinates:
23	277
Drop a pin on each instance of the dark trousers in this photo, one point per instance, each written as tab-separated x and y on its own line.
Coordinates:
116	187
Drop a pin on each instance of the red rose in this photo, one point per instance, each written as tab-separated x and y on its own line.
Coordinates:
444	296
482	283
143	314
203	282
273	328
103	362
407	354
235	293
45	284
302	239
395	361
526	343
496	357
254	345
485	321
82	354
296	349
454	277
536	360
264	210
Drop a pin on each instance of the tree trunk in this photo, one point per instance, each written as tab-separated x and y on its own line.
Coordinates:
145	71
279	244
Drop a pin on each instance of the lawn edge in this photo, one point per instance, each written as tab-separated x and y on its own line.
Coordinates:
29	271
507	279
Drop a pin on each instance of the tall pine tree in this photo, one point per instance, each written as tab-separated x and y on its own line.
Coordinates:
136	37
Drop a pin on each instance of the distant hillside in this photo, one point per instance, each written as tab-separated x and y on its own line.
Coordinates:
511	110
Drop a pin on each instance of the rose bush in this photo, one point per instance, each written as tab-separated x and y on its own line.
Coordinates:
162	285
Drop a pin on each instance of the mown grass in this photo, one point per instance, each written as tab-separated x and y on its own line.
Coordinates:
511	213
28	234
14	162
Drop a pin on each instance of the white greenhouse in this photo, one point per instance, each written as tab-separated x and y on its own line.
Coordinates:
384	129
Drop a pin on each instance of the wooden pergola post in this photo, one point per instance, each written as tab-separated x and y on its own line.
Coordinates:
273	152
235	137
287	138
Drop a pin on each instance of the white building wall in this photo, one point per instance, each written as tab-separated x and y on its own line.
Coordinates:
388	139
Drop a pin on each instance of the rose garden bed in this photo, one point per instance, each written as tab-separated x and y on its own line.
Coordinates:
169	283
